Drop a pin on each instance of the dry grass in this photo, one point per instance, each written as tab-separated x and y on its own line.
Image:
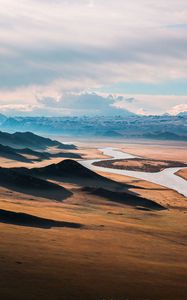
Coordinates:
120	253
163	152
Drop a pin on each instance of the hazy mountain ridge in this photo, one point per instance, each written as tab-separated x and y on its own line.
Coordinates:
21	140
11	153
146	127
21	154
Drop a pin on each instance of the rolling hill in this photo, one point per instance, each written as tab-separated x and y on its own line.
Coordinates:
30	140
72	171
21	154
28	184
91	183
10	153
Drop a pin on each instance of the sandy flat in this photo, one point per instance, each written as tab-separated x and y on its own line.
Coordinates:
164	152
90	153
160	194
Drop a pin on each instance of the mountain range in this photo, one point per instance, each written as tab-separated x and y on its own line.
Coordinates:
130	126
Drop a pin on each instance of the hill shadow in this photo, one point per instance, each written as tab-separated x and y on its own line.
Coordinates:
72	171
125	198
27	220
30	185
10	153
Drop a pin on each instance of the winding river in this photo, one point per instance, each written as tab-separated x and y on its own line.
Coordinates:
166	178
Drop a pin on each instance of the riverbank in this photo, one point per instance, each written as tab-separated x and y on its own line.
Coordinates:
166	178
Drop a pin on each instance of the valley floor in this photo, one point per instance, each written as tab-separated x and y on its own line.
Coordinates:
116	251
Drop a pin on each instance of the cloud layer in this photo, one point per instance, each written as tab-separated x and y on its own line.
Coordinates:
71	104
51	48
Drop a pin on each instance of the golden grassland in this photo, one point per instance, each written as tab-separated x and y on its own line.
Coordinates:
120	252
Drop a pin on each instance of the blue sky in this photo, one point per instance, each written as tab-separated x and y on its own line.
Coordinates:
172	87
87	50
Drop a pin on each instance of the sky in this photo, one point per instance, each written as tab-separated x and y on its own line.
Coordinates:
74	57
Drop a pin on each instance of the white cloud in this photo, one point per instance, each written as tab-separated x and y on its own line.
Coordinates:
16	109
152	104
82	104
51	47
51	101
143	112
177	109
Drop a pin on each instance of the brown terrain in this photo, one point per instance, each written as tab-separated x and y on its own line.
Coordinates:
67	233
166	151
140	164
159	150
182	173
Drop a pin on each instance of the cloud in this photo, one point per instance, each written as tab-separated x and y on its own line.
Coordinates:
130	100
16	109
79	103
53	47
143	112
82	104
152	104
73	104
177	109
